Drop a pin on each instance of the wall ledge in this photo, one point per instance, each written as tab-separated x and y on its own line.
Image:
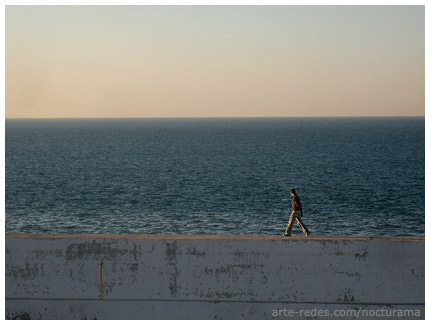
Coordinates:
213	237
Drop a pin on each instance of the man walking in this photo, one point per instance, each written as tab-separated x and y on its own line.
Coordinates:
296	214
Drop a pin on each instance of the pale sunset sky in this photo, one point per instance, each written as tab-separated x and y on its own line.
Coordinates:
214	61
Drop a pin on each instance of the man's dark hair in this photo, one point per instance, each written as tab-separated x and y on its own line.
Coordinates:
293	191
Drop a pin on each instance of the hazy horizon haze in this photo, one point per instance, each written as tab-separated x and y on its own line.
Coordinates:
214	61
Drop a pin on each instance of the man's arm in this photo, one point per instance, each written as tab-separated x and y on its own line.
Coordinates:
298	203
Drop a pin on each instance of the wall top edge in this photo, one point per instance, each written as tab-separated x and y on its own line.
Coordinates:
211	237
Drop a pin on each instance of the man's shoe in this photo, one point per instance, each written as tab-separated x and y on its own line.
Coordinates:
286	235
307	234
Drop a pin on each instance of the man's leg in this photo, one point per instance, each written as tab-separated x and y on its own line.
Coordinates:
301	224
290	224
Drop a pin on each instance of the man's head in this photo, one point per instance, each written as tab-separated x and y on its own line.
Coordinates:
293	192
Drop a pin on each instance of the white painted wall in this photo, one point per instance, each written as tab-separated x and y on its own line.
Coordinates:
207	277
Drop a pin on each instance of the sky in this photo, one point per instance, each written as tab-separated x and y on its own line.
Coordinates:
214	61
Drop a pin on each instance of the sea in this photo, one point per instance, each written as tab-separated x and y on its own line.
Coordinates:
355	176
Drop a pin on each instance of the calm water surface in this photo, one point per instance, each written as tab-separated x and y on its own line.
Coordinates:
355	176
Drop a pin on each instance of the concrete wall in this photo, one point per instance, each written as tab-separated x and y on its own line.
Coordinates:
213	277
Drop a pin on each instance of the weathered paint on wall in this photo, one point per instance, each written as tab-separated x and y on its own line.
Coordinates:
207	277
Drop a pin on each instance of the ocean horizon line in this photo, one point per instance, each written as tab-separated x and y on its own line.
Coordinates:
220	118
